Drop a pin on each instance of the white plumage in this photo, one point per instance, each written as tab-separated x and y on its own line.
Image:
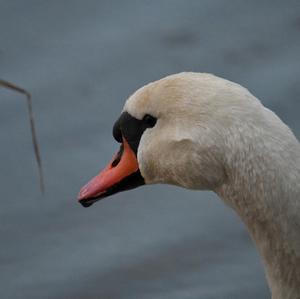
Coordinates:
214	134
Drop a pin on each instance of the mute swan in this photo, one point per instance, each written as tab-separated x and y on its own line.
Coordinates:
199	131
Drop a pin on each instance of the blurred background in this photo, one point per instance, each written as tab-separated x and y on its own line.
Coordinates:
81	60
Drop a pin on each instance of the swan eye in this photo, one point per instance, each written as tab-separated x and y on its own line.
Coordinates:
149	120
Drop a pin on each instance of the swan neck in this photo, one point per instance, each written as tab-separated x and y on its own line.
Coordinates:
265	191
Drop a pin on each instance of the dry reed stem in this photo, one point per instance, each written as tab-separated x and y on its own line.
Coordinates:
14	87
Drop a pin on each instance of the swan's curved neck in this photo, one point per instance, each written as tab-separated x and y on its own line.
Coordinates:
263	186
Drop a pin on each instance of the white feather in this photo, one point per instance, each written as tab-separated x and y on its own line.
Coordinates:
214	134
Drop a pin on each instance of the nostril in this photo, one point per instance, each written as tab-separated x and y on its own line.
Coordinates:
118	157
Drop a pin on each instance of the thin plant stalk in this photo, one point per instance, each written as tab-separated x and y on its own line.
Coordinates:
6	84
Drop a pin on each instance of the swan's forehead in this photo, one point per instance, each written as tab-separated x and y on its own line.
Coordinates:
187	95
138	103
166	96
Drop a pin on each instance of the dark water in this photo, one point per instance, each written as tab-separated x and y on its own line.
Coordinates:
80	60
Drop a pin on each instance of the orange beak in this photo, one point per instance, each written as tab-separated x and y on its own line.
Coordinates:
119	175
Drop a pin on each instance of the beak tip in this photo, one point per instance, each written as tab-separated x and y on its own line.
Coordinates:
86	197
86	191
82	194
85	204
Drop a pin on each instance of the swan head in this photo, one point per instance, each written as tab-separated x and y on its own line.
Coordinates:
174	131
